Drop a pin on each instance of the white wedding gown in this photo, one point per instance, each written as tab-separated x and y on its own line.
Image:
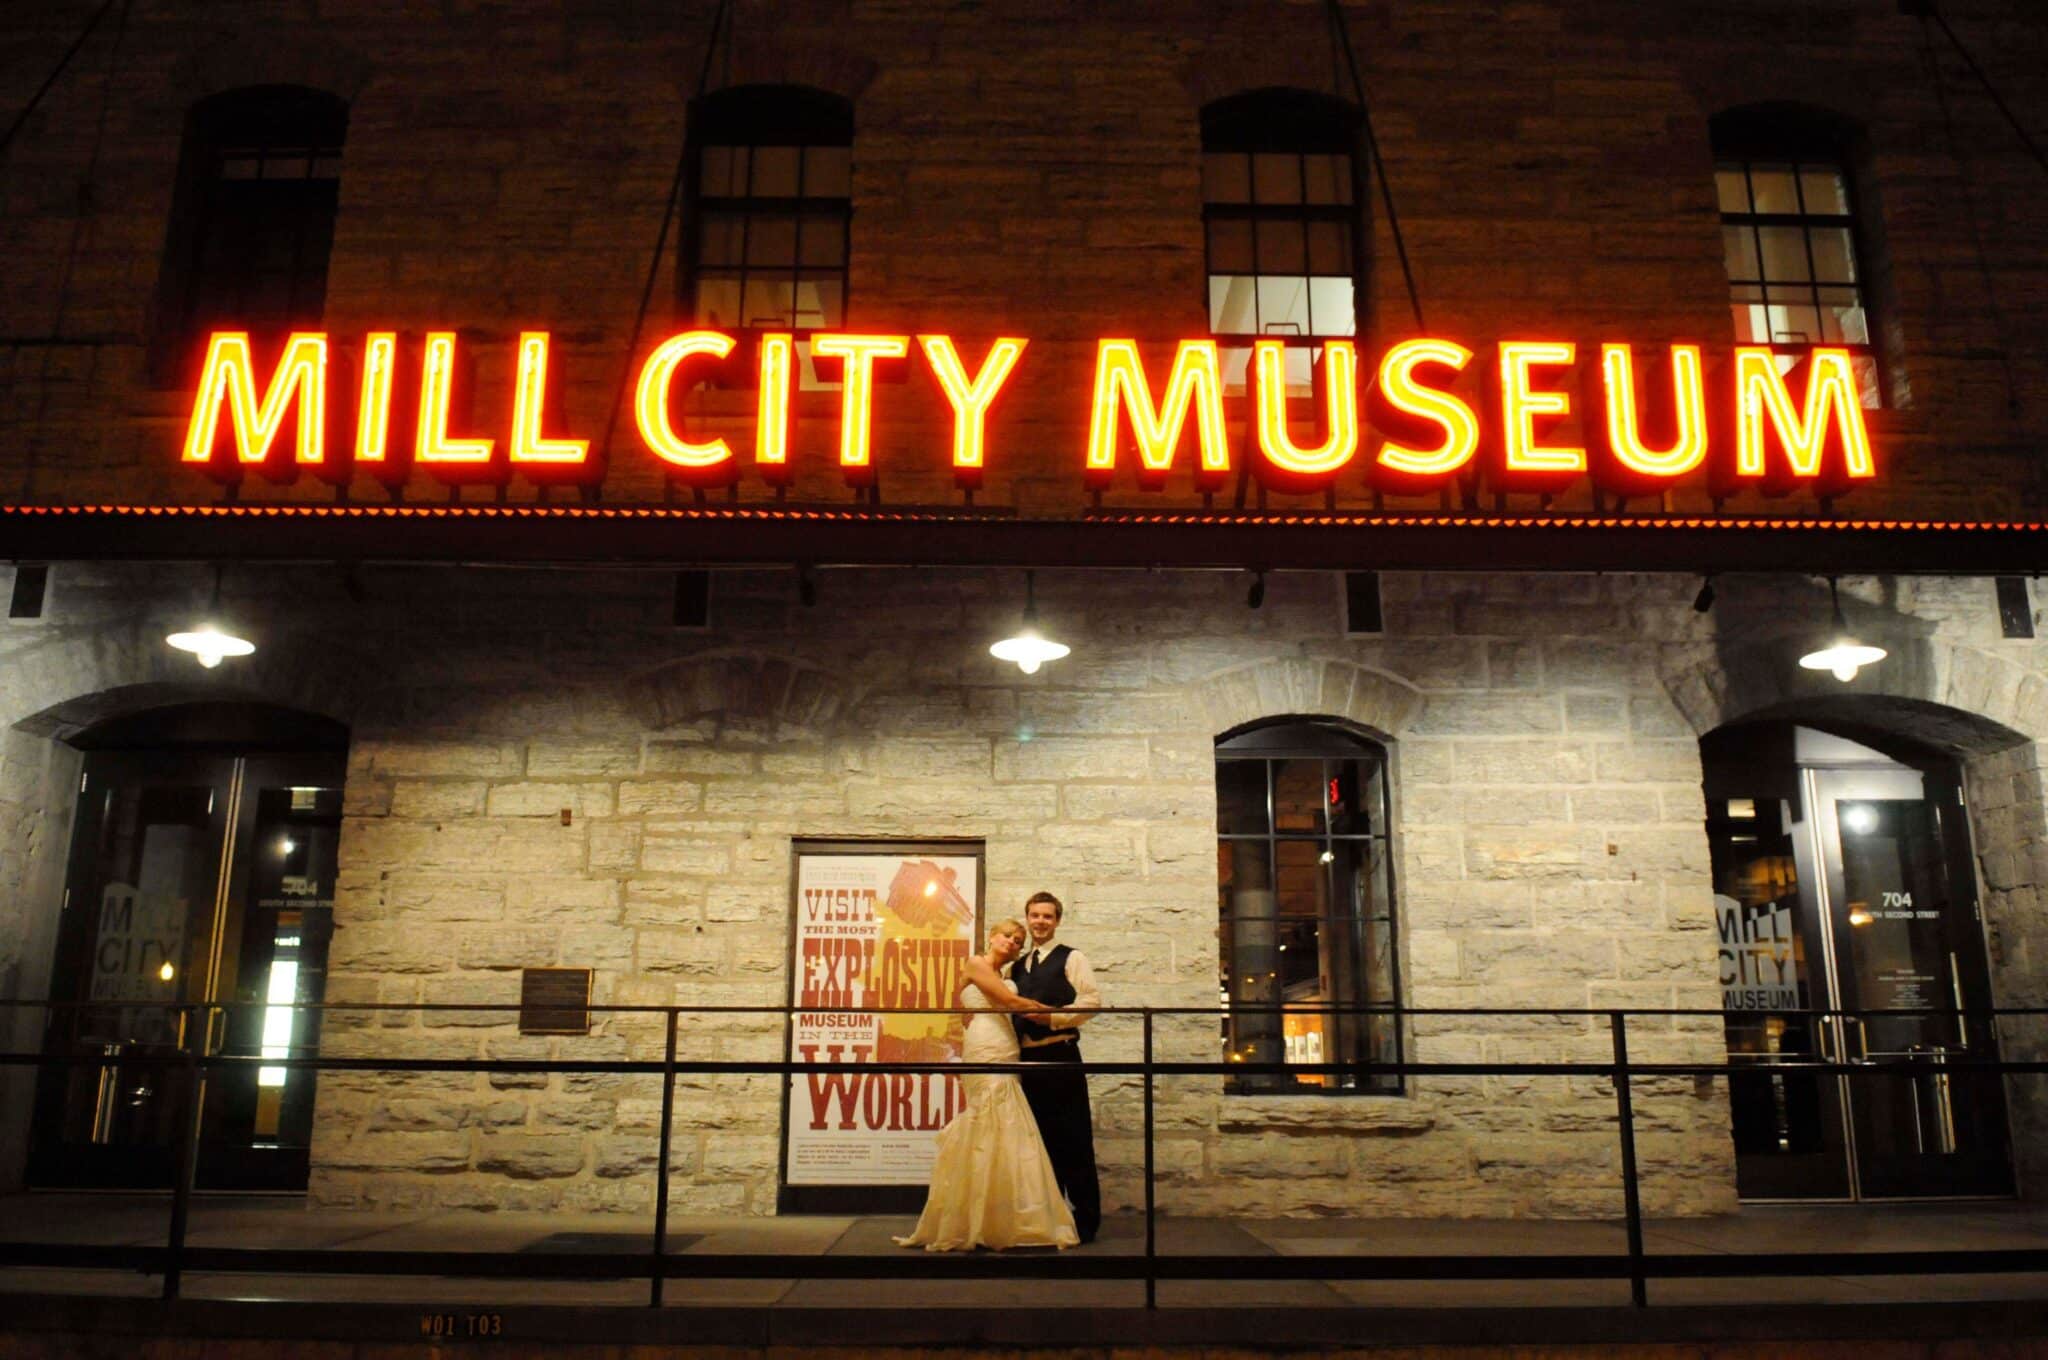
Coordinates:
992	1184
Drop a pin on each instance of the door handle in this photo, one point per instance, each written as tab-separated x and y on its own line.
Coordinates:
1862	1039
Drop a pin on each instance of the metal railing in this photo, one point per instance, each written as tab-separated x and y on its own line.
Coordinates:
658	1264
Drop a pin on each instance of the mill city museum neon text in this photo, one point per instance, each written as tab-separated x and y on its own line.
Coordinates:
1429	413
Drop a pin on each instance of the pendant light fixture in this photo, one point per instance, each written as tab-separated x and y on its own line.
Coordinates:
1028	647
209	641
1843	653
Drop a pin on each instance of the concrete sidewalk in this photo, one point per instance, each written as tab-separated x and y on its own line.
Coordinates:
1828	1233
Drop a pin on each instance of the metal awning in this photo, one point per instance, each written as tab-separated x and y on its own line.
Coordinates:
699	535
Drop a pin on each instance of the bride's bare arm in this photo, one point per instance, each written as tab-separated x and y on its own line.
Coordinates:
1000	994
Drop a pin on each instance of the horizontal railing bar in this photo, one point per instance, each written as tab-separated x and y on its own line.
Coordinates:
1010	1265
514	1007
1905	1064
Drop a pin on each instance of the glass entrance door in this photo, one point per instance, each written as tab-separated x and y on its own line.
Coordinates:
1901	910
196	916
1844	882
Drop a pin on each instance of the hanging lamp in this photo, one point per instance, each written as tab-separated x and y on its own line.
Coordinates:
208	640
1028	647
1843	653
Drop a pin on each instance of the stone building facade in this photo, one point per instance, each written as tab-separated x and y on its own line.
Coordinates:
543	770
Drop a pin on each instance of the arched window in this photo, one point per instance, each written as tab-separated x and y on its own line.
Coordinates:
252	223
1797	255
771	191
1305	899
1280	188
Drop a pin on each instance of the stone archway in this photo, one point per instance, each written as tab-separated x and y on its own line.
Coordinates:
1373	700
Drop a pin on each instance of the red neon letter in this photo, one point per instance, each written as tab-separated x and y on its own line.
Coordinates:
1688	447
437	382
771	429
373	413
1340	381
229	378
857	387
528	445
1120	387
1832	403
970	400
1519	407
650	401
1406	395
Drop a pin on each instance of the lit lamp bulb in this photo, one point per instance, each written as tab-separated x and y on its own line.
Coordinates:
1028	647
167	972
210	645
1843	655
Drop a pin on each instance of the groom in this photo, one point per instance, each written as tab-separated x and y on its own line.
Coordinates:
1059	977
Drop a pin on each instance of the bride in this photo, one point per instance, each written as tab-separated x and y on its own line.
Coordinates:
992	1184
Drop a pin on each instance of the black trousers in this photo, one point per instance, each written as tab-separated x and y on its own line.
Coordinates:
1059	1102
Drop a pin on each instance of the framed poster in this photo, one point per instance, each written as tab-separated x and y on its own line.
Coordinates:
873	924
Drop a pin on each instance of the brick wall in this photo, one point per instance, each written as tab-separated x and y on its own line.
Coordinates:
1023	171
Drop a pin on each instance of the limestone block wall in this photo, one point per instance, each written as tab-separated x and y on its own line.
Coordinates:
1542	732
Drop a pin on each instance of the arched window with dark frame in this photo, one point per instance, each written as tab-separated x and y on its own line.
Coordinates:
1281	185
1797	248
1305	900
252	219
771	210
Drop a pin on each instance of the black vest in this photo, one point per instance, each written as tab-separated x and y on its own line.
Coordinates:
1047	983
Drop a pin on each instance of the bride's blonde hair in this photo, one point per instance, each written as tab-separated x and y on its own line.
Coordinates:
1010	926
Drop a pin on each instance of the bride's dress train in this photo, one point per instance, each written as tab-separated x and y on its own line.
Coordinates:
992	1184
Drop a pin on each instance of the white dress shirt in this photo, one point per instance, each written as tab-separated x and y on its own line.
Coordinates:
1087	1000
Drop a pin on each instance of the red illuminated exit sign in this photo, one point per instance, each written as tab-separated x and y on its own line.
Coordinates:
1431	412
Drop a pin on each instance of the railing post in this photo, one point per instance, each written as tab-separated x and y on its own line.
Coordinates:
1632	1201
185	1168
1151	1221
668	1113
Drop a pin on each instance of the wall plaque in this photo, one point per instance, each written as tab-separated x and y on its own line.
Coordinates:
554	1001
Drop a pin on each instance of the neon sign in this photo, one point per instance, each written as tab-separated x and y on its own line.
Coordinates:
1430	413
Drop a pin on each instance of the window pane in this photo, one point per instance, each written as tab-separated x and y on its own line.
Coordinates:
718	240
1330	307
714	172
1283	306
1226	177
1353	809
241	165
1868	386
1282	248
774	172
1328	178
1329	248
718	301
771	240
820	301
327	167
279	164
1230	246
1841	316
1731	188
1834	255
1798	325
1276	177
1750	324
1298	797
1241	797
1784	254
1774	189
767	302
1823	190
824	240
1232	305
1738	247
828	172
